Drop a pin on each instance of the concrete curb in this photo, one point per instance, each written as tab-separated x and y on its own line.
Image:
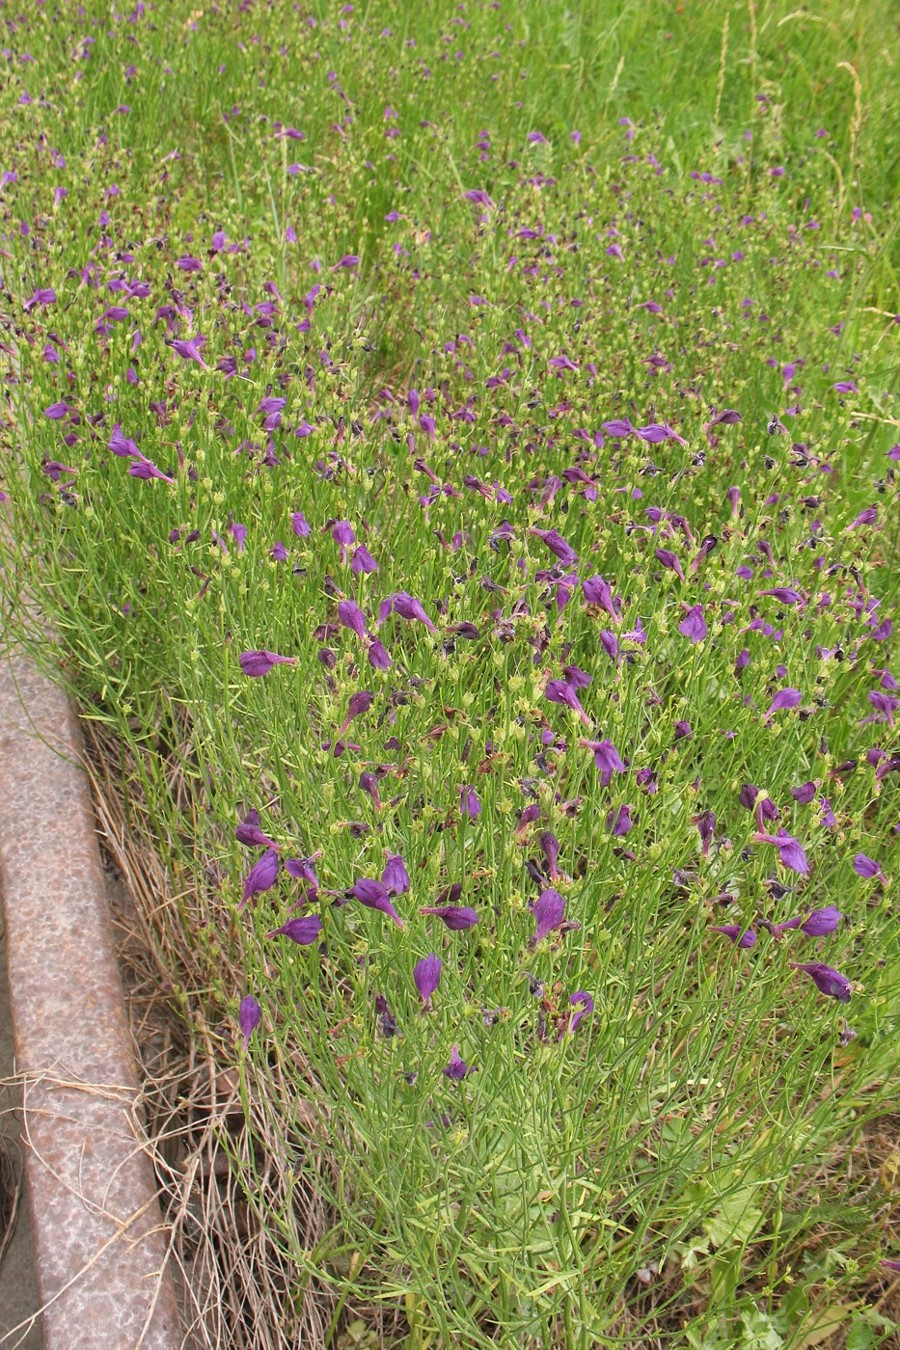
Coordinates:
100	1252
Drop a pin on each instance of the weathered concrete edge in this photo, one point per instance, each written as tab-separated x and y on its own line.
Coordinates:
100	1248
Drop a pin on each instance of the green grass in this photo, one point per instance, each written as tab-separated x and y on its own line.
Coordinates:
700	1162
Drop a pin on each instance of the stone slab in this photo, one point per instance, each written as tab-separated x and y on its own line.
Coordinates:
99	1246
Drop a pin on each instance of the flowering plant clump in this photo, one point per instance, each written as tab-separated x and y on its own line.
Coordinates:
500	518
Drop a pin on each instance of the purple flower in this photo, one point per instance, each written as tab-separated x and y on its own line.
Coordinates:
343	536
359	703
349	260
786	595
189	349
146	469
122	445
352	617
791	855
427	976
619	822
693	625
785	698
885	706
300	525
584	1005
619	428
606	759
846	387
457	1069
706	828
821	922
549	845
248	832
728	417
804	793
378	655
456	917
375	896
395	877
407	606
302	931
261	876
362	561
249	1016
743	937
557	546
827	980
469	803
669	559
548	910
302	870
597	592
867	867
683	730
257	664
560	691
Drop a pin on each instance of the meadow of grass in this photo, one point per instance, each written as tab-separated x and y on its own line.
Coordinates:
523	378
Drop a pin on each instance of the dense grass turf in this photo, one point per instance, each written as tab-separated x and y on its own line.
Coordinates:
524	378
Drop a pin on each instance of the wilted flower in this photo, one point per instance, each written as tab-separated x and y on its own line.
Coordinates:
826	979
261	876
386	1023
427	976
456	917
302	931
548	910
260	663
249	1016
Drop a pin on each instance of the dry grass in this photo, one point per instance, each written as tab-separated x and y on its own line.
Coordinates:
237	1287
